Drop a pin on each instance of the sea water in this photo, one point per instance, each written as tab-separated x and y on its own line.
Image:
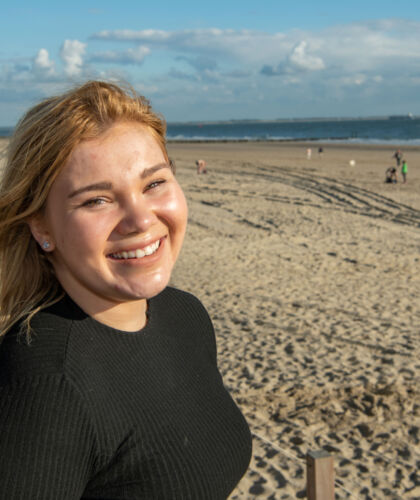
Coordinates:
385	130
393	130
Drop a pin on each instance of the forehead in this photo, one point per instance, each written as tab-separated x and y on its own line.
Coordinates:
120	138
122	148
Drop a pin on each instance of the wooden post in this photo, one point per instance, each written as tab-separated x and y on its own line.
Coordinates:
319	475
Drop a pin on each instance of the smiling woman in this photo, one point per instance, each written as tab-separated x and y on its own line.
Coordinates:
125	224
117	394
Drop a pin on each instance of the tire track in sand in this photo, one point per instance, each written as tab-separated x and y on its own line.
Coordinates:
333	193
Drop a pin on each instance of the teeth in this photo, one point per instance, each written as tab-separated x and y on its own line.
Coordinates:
139	253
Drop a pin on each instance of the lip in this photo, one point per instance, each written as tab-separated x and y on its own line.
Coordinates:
134	247
147	259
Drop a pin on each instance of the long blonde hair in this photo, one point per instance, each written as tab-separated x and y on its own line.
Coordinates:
38	150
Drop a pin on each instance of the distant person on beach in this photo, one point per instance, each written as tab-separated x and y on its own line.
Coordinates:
398	156
309	153
320	151
391	175
109	384
201	167
404	170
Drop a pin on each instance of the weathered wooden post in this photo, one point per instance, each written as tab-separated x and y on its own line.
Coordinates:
319	475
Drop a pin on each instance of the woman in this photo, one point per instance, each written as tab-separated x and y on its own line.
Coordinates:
109	386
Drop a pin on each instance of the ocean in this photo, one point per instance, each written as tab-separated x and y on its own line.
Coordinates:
392	130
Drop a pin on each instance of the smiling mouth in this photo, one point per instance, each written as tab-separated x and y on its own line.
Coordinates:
139	253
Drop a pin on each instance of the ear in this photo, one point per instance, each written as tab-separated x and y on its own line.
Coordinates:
39	230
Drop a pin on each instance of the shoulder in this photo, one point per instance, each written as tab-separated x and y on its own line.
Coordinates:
178	303
43	354
184	316
171	294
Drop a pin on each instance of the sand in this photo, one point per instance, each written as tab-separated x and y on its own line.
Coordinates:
310	271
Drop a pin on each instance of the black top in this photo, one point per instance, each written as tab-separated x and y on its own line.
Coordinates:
87	411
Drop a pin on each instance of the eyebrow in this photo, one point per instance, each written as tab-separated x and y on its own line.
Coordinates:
91	187
147	172
98	186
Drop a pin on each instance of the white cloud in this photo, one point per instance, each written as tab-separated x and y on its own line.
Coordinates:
245	45
304	61
356	47
71	53
340	64
298	61
133	36
43	64
199	63
134	55
312	71
369	46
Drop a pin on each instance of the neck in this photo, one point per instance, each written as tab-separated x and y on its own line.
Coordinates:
126	316
129	316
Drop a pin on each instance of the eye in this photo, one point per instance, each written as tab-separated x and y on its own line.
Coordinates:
94	202
155	184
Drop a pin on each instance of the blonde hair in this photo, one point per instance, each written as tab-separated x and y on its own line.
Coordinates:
38	150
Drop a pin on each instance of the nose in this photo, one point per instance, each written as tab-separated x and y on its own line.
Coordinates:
137	217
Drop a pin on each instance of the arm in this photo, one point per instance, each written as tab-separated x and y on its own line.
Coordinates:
46	440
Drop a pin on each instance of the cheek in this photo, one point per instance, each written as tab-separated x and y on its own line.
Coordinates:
174	209
82	233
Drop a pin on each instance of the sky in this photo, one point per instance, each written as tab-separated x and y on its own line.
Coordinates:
218	60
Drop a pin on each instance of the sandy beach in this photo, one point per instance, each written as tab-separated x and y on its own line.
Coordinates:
310	272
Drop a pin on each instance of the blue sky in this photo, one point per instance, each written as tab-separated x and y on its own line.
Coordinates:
220	59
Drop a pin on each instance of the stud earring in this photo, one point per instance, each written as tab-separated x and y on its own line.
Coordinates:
46	245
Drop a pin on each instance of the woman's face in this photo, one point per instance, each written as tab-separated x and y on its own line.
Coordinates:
115	219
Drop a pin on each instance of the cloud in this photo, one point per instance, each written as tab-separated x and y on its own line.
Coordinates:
133	36
238	73
268	70
370	46
130	56
245	45
182	75
298	61
311	72
301	60
199	63
373	46
42	63
71	53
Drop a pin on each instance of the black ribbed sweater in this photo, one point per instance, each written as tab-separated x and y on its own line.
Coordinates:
87	411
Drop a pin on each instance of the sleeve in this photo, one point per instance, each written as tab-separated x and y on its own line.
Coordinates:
46	440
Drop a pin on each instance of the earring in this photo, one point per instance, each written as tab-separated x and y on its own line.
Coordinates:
46	245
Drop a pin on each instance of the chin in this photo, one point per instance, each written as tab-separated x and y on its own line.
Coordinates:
153	287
